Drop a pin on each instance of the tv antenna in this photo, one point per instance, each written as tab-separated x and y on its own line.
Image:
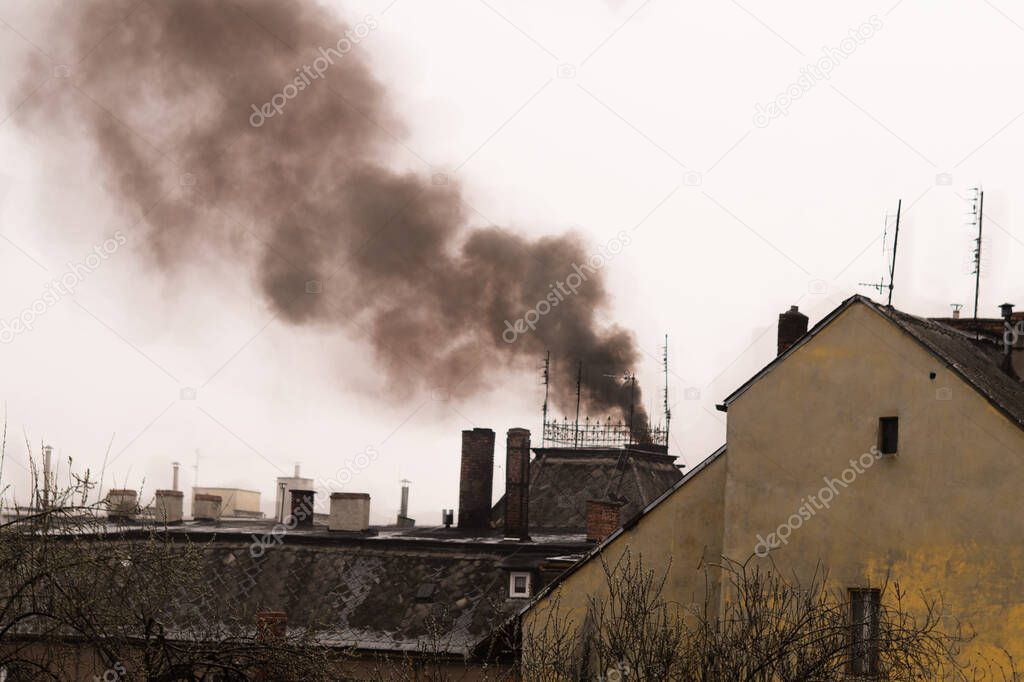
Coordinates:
881	287
977	214
579	386
668	411
546	378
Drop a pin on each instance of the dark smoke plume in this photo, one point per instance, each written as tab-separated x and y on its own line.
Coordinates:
179	98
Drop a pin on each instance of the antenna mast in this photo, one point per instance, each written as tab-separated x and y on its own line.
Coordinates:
546	375
895	245
668	411
891	265
631	377
579	384
978	211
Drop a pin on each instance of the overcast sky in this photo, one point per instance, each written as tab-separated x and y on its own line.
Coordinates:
660	118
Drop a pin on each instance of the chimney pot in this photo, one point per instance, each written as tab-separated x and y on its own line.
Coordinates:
603	518
1007	310
475	478
517	484
792	325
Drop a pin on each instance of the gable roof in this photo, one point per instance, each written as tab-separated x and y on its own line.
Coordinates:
634	520
976	362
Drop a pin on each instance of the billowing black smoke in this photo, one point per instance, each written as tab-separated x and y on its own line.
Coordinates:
224	121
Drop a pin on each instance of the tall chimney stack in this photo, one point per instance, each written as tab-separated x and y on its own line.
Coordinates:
405	497
175	466
47	463
792	325
403	513
517	484
475	478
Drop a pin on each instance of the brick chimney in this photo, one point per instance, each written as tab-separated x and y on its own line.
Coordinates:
517	484
349	511
168	506
475	478
206	507
122	505
603	518
302	507
792	325
271	626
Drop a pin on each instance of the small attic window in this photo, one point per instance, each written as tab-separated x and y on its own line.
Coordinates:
888	435
519	584
425	592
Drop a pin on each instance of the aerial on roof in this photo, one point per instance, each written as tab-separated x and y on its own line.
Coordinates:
975	357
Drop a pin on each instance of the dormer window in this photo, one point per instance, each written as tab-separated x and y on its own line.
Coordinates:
520	584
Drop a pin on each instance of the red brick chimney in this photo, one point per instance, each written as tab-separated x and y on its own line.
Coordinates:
603	518
517	484
271	626
475	478
792	325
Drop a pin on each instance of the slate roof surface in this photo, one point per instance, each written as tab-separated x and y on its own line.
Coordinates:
365	596
978	362
563	479
391	590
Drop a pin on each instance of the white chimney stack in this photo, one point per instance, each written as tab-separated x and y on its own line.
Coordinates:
174	478
47	463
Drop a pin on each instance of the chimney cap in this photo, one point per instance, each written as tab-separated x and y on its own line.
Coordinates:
350	496
1007	310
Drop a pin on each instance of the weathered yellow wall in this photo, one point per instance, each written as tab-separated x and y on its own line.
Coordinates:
946	514
232	499
685	529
